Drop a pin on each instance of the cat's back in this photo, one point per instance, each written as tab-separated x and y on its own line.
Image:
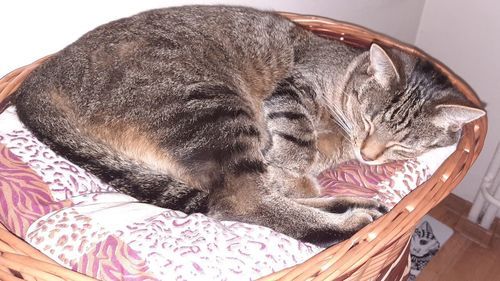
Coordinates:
171	48
197	26
192	21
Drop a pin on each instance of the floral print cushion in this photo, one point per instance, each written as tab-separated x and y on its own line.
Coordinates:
85	225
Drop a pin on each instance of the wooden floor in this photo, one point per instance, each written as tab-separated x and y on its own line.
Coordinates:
461	259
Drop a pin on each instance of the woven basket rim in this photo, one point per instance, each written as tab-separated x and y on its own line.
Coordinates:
393	228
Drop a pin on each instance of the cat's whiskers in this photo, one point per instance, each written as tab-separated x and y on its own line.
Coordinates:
338	115
341	120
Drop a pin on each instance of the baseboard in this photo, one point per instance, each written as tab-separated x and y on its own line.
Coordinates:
453	211
474	232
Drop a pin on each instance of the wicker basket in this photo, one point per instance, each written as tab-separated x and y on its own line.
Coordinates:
371	254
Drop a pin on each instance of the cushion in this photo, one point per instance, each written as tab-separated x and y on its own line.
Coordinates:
87	226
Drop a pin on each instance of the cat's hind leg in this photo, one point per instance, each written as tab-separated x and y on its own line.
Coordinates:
290	115
341	204
300	221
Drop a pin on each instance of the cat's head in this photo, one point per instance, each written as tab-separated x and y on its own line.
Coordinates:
405	107
423	241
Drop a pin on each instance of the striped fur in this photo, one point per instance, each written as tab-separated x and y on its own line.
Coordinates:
232	112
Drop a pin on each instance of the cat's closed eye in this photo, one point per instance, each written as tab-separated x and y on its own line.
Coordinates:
398	145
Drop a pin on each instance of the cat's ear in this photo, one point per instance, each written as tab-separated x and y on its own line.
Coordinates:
428	227
455	116
382	67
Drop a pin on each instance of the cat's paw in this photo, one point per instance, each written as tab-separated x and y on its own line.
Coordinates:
340	227
382	208
343	225
344	203
371	204
358	218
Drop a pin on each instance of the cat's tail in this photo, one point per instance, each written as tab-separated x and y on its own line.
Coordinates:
53	124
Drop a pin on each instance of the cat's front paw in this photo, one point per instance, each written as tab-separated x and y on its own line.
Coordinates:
360	217
342	204
382	208
346	225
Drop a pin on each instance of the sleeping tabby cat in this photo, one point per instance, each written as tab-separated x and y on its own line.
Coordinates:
232	112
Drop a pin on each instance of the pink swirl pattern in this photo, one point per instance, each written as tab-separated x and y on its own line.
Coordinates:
391	190
387	183
65	179
66	234
24	197
356	179
187	247
112	259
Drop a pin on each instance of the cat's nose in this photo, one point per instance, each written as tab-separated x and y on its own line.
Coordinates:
371	149
367	157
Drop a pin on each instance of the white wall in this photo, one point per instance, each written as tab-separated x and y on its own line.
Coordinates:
465	35
33	29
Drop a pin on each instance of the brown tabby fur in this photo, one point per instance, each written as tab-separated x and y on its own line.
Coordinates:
232	112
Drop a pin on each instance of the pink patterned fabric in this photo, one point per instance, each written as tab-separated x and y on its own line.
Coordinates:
65	179
387	183
113	259
354	178
24	197
85	225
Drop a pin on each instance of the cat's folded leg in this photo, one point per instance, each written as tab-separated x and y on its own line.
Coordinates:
289	115
291	154
342	204
312	224
302	222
